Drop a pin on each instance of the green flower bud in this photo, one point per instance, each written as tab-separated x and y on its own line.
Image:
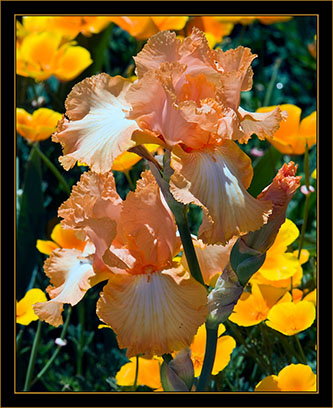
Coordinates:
178	374
245	261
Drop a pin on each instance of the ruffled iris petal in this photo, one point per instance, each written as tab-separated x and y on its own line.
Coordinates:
217	181
153	313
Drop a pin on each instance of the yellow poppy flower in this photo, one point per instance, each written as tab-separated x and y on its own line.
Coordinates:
148	372
24	312
36	126
293	133
224	348
43	54
290	318
311	297
144	27
314	174
214	28
279	265
253	308
67	27
125	161
61	238
294	377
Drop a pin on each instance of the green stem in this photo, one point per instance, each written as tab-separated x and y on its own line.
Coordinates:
129	179
167	358
136	373
272	82
33	356
208	363
185	236
300	348
56	351
53	168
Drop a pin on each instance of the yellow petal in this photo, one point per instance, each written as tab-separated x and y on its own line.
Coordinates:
285	137
305	255
125	161
291	318
217	180
297	377
253	308
66	238
148	374
308	132
287	234
72	62
311	297
46	247
280	266
153	313
269	383
38	126
98	130
24	312
170	22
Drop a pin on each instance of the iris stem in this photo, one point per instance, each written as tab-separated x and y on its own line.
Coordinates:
53	168
33	356
272	82
209	359
129	179
185	236
136	373
56	351
167	358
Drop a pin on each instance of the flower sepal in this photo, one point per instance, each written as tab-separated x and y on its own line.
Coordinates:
245	261
178	374
223	298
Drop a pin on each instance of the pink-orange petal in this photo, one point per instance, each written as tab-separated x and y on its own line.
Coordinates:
154	313
217	180
97	130
69	272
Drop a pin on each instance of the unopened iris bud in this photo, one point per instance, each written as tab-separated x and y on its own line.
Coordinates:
178	374
223	298
248	254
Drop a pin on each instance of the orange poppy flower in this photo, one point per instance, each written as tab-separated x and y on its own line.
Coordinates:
253	308
36	126
291	318
293	134
24	311
144	27
294	377
225	346
61	238
68	27
148	372
42	54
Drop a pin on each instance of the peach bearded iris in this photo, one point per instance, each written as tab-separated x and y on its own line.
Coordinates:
153	305
187	99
